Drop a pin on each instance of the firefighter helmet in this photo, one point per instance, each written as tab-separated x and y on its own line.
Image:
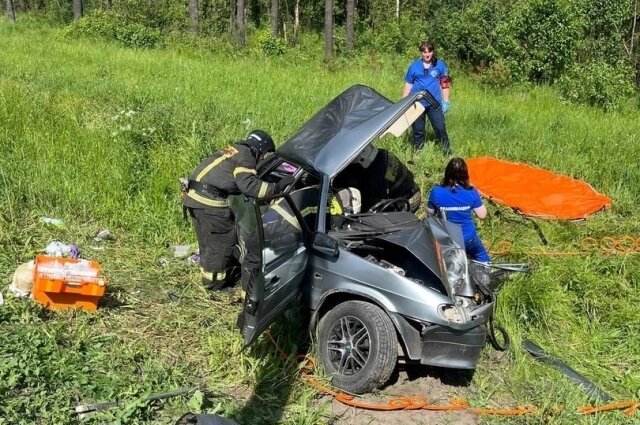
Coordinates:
260	142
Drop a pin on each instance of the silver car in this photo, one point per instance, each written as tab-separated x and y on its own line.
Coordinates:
376	283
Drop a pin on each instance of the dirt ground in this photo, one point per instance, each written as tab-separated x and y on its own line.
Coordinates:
439	386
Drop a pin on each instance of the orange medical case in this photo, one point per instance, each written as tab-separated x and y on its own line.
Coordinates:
68	283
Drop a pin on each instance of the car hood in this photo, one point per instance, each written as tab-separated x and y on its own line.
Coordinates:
334	136
436	243
439	245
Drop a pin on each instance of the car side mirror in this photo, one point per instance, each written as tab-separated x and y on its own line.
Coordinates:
325	244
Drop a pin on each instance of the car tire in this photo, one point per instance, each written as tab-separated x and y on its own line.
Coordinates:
358	346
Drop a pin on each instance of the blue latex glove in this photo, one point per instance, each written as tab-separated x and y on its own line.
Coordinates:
445	106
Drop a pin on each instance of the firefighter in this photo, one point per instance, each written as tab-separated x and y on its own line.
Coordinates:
229	171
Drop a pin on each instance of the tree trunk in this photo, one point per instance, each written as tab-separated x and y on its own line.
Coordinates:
240	27
106	4
632	54
232	16
328	30
275	17
633	29
193	16
77	9
351	5
11	14
296	21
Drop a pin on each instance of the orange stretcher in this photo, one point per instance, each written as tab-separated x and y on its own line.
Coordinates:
534	191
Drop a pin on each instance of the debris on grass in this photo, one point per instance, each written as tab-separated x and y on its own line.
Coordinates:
22	283
181	251
61	249
194	258
55	222
83	410
103	235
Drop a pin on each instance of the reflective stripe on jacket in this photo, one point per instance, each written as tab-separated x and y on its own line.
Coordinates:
231	171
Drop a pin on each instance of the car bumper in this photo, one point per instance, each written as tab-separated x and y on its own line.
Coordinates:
446	347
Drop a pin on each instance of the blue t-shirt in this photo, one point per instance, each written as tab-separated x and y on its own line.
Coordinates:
458	203
426	78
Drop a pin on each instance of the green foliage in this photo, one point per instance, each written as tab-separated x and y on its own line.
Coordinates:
547	33
519	41
163	15
497	75
394	36
111	25
597	84
271	46
535	39
137	35
474	33
99	24
389	38
606	25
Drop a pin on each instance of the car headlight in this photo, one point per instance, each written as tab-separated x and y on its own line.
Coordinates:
456	269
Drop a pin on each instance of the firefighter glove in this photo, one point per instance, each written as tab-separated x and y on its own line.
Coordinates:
284	183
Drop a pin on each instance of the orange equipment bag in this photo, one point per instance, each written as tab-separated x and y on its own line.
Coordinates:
534	191
68	283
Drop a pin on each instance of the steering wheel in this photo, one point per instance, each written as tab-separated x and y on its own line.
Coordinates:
399	204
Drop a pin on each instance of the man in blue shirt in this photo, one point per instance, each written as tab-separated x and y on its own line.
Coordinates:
431	74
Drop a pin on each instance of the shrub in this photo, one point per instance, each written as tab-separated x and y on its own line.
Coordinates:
137	35
597	84
535	39
389	38
99	24
497	75
110	25
271	46
261	39
547	32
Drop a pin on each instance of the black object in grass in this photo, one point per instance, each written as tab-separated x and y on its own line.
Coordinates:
539	354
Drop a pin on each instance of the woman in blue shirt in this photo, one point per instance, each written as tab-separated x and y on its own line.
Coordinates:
431	74
457	199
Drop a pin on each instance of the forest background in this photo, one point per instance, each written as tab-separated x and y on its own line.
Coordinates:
588	49
101	111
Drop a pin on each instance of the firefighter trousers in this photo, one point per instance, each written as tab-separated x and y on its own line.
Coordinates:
216	233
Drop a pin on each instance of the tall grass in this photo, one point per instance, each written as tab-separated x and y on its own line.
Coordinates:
97	135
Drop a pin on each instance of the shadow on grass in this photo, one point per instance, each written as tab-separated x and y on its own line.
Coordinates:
451	377
113	298
276	376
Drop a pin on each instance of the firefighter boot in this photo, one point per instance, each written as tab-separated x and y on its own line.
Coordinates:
213	281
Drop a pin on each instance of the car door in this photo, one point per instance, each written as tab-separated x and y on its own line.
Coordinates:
273	257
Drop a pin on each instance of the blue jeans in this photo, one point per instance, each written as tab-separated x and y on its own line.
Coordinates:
436	118
476	250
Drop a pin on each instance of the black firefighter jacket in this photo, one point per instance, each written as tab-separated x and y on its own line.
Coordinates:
229	171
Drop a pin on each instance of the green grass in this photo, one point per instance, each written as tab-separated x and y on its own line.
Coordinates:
97	135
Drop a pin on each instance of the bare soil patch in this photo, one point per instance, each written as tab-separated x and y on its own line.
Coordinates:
438	385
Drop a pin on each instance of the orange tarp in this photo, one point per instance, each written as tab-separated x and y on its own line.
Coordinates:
534	191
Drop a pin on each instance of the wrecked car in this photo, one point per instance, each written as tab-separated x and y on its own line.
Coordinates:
378	284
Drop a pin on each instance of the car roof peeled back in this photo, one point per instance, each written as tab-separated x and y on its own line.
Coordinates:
335	135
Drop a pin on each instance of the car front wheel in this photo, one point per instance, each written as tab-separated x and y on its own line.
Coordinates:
357	344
